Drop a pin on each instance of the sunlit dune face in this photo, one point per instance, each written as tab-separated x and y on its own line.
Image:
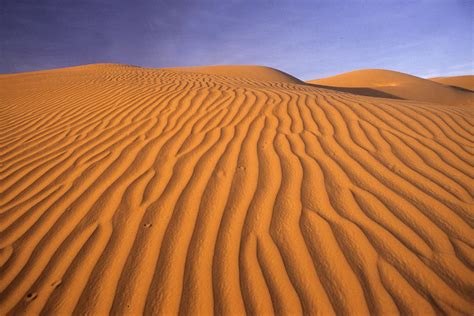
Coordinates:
391	84
386	83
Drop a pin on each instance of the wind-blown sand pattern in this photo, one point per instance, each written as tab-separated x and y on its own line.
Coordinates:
131	190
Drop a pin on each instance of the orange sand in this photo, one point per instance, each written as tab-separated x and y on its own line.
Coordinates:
131	190
398	85
260	73
463	82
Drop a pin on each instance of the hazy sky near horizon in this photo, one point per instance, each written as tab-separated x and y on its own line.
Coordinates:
308	39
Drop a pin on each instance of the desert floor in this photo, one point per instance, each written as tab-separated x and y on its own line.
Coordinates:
234	190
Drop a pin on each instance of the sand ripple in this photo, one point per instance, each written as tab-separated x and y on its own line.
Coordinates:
128	190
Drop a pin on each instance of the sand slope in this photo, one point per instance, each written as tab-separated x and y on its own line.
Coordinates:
128	190
463	82
387	83
261	73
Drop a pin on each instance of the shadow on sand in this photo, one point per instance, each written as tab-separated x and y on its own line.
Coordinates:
368	92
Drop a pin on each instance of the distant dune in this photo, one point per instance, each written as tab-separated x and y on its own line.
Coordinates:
378	82
463	82
234	190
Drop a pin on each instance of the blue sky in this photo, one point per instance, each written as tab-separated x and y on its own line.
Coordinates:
309	39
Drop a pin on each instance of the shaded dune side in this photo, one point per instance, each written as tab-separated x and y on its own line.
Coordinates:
393	84
129	190
461	82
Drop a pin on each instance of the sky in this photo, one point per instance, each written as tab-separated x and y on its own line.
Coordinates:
308	39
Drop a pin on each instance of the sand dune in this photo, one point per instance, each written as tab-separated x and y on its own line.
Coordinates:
261	73
130	190
387	83
463	82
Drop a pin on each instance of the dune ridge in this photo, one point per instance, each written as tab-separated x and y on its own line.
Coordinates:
463	82
131	190
388	83
242	72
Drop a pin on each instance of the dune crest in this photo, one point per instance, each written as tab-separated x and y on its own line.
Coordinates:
399	85
253	72
463	82
128	190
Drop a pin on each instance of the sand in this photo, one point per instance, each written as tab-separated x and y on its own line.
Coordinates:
387	83
127	190
462	82
242	72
